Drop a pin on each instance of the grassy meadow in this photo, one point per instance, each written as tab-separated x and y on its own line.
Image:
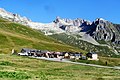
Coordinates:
14	67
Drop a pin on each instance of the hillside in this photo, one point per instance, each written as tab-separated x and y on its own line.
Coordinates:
74	40
16	36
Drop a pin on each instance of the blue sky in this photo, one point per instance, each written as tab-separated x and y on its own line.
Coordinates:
47	10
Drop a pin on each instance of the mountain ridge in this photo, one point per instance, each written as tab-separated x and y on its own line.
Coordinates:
98	31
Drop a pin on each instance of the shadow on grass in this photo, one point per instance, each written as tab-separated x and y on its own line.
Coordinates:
14	75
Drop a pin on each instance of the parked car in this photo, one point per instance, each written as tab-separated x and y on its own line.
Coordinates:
23	54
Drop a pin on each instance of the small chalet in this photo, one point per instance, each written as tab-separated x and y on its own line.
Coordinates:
56	54
92	56
30	52
45	53
66	54
75	55
24	52
72	55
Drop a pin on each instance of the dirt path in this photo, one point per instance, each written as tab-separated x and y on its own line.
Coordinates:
67	61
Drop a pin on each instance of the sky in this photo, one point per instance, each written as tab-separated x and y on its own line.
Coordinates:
46	10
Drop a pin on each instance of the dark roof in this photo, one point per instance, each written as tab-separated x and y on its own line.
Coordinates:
77	54
44	51
72	54
29	50
61	54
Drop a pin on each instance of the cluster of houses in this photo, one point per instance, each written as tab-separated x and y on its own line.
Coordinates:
60	55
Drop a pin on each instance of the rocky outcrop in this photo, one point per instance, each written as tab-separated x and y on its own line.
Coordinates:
99	29
106	31
72	26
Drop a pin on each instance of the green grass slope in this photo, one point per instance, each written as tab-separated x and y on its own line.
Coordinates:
14	67
16	36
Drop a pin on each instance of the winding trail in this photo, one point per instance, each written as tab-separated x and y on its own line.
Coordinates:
67	61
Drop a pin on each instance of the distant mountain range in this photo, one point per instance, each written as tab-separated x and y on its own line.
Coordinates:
99	32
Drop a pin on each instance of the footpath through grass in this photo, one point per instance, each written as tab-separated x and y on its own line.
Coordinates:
14	67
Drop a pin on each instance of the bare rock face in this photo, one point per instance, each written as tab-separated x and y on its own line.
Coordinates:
106	31
117	33
99	29
103	30
69	25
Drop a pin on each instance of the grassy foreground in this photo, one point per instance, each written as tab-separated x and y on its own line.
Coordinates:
14	67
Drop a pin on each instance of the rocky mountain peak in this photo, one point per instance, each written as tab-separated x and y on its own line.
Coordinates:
75	22
100	19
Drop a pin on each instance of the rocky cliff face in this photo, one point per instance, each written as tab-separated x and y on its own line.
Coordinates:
69	25
106	31
99	29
